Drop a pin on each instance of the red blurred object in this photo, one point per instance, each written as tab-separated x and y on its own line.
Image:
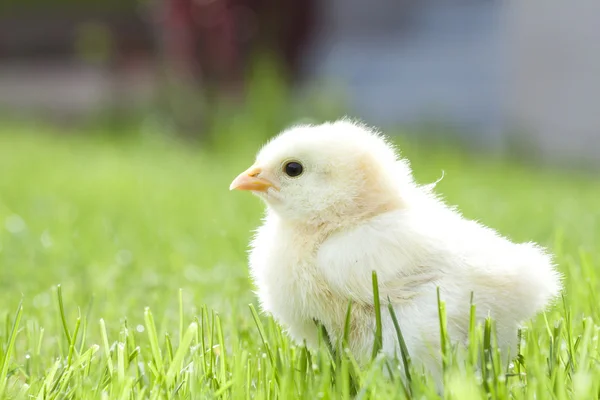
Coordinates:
213	39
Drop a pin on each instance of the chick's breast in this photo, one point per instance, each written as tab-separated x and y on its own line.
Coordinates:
288	284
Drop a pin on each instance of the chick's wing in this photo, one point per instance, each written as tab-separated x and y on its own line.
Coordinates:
347	260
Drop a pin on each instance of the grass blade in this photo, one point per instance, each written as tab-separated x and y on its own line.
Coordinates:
10	347
443	330
63	317
378	339
403	349
263	337
153	338
182	350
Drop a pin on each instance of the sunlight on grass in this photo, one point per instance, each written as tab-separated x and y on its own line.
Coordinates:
123	275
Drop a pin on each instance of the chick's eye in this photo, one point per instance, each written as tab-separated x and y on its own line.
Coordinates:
293	168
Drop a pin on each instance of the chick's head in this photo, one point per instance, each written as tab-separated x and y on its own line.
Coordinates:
327	173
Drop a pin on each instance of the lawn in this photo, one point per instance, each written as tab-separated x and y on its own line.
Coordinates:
128	257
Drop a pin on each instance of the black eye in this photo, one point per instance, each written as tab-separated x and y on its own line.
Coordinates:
293	169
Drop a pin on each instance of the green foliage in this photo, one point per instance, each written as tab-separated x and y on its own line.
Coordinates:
123	275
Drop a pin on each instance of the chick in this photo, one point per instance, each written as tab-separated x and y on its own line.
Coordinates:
341	203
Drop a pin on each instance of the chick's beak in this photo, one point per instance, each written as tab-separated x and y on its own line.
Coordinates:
250	180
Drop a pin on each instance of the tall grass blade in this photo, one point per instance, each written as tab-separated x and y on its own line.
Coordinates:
406	361
10	347
378	339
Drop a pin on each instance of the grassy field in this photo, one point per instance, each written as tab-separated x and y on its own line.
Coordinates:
128	257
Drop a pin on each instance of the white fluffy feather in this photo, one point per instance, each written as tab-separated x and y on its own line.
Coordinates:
356	209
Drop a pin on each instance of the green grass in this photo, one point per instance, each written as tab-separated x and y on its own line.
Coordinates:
149	249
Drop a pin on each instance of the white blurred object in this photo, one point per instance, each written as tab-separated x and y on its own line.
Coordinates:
555	74
410	61
485	65
71	88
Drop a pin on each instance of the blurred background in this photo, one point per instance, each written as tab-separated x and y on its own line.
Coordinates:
509	76
123	122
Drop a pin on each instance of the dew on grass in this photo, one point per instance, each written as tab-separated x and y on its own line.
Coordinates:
193	273
46	239
15	224
42	300
124	257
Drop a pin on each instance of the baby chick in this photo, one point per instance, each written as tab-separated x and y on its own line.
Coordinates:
341	204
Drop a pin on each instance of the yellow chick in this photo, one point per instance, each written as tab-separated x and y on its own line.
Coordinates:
340	204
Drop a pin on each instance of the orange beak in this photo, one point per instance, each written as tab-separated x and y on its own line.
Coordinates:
249	180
